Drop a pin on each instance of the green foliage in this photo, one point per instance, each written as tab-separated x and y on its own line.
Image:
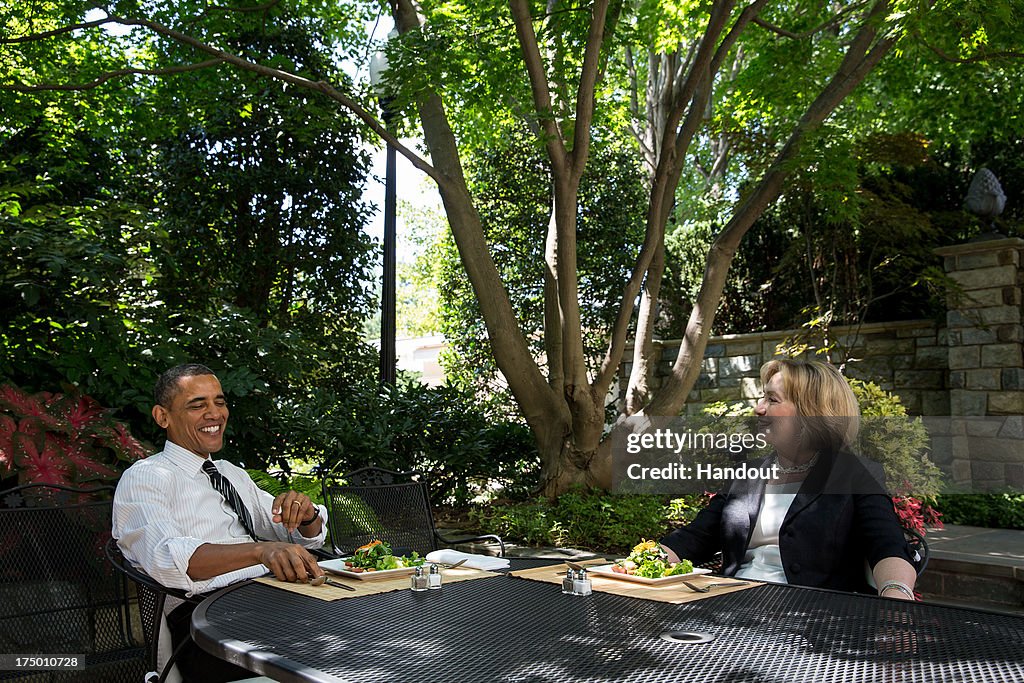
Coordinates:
681	511
852	236
230	222
851	240
278	483
463	446
208	217
588	519
417	303
888	436
997	510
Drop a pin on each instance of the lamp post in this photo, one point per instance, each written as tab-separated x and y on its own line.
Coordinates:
388	326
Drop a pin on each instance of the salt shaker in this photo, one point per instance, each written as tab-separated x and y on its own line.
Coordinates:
434	578
419	580
581	584
567	581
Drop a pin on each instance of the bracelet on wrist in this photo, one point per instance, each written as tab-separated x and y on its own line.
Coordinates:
901	587
316	516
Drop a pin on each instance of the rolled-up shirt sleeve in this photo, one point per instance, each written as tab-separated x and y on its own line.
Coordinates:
152	530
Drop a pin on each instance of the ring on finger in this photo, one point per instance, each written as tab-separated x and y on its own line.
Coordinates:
296	502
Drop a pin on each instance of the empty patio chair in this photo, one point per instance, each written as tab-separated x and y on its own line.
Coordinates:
58	595
393	507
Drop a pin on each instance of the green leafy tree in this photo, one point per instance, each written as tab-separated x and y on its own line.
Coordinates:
851	235
228	229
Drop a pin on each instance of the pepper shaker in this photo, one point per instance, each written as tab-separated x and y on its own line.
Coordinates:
434	578
419	580
567	581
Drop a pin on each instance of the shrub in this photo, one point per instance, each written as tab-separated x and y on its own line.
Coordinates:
588	519
998	510
64	439
278	483
898	442
464	447
917	514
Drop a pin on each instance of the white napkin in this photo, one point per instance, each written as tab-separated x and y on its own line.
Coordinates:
485	562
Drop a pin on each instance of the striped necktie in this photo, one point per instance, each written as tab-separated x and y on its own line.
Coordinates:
225	489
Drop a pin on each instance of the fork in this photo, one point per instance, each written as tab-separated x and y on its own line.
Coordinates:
706	588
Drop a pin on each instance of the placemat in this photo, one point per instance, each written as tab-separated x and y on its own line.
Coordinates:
329	593
675	593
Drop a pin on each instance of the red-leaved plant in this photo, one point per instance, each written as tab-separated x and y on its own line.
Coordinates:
916	514
64	439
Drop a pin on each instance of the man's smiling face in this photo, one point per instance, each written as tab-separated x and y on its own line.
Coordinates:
197	415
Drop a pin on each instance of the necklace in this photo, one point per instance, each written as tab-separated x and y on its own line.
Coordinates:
796	469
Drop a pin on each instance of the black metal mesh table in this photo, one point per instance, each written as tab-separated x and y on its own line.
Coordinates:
510	629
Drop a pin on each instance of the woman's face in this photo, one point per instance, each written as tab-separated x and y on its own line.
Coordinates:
777	417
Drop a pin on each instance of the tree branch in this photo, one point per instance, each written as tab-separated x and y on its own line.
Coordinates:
699	66
21	87
671	145
705	64
620	330
242	10
634	108
539	84
589	76
749	14
267	71
807	34
863	55
1003	54
35	37
238	10
511	353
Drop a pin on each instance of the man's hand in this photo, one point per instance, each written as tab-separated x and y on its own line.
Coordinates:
289	562
292	509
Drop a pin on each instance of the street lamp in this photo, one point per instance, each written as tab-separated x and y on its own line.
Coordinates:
388	326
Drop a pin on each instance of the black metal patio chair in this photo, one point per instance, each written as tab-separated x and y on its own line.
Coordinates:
58	595
918	549
152	596
394	507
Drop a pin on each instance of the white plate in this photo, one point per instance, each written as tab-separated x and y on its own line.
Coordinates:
339	568
606	570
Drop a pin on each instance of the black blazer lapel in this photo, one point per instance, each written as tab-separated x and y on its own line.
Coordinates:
814	485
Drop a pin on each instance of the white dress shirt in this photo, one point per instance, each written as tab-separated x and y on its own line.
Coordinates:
165	507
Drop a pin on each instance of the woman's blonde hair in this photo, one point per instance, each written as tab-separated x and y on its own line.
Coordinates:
828	410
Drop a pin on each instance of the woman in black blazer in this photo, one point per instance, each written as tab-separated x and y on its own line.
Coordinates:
825	519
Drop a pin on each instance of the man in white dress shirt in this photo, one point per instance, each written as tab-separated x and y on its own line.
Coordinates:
176	518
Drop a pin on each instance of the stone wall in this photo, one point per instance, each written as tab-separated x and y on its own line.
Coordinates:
970	365
908	358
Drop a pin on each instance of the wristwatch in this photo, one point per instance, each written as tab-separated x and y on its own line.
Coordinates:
316	516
